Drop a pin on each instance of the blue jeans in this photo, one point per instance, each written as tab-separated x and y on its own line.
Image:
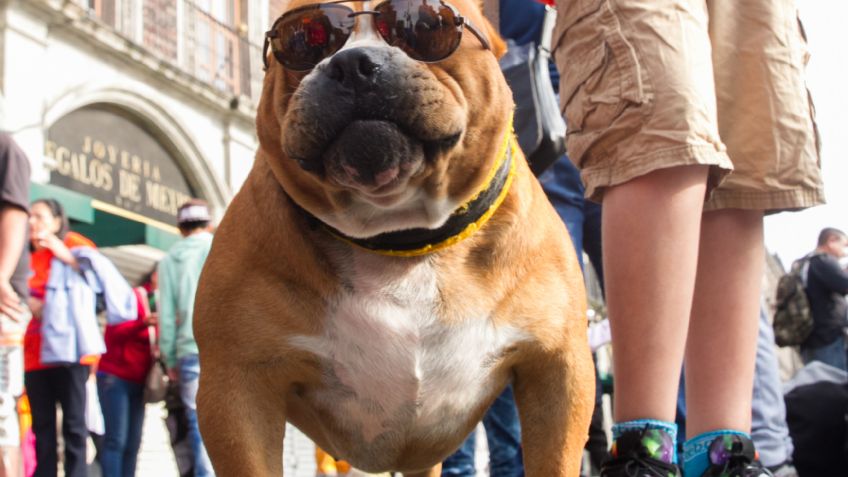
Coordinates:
503	434
189	369
123	414
564	188
833	354
768	418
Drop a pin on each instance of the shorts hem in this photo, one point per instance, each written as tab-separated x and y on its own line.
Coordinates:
601	177
769	201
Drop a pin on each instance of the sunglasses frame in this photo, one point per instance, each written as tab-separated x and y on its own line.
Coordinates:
271	34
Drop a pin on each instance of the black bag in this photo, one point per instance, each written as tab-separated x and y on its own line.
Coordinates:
817	414
538	122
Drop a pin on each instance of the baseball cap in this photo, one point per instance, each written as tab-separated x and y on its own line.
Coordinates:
194	210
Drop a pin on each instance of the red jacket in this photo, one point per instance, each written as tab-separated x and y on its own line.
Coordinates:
128	347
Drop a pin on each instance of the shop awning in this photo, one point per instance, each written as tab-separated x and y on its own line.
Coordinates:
107	225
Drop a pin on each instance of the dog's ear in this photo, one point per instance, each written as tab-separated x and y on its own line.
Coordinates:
496	42
490	27
267	124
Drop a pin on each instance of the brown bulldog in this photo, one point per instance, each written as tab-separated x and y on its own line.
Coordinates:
390	264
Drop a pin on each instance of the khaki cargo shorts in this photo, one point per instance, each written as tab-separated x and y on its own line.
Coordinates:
652	84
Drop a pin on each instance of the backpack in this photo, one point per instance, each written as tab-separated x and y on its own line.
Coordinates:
793	319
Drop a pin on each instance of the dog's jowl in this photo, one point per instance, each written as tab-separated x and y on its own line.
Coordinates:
390	264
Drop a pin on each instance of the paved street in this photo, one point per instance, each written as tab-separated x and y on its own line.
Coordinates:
157	460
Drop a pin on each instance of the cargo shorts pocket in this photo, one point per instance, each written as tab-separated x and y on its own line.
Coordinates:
802	34
603	77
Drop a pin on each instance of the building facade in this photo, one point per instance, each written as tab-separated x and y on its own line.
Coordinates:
128	107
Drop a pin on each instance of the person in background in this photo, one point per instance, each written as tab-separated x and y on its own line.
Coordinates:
47	385
179	273
14	314
769	429
826	286
121	374
176	421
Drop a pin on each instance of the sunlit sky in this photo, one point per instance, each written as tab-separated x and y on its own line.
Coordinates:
791	235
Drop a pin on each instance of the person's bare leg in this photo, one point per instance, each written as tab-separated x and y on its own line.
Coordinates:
651	227
10	461
723	327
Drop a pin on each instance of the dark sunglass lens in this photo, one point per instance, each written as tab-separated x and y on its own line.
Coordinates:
307	36
426	30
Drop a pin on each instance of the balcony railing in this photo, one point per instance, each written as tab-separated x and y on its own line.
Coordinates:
212	46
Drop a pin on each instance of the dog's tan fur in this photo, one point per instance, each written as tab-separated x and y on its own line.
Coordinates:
270	273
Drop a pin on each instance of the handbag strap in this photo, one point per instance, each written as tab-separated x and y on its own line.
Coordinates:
548	30
154	345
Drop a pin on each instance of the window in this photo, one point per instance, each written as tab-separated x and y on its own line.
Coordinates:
215	25
206	38
105	10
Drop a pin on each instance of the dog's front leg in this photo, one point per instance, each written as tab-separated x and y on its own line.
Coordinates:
554	393
242	420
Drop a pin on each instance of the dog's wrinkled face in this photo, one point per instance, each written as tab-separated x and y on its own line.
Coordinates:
371	140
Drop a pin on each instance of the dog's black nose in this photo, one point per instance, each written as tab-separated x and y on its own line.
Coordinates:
357	67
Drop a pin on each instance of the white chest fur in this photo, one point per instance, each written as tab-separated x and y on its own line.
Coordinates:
394	365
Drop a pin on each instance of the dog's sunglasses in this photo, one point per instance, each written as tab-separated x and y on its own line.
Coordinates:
426	30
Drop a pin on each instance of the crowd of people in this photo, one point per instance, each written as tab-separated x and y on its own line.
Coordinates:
74	332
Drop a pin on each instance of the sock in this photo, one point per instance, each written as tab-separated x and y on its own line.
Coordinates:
696	459
660	439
